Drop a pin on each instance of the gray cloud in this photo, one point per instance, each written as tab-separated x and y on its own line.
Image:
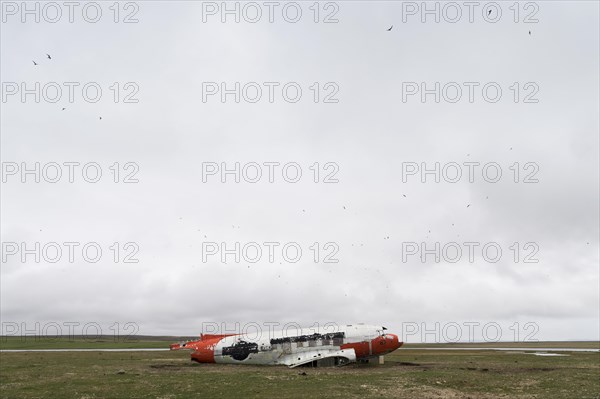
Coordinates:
370	134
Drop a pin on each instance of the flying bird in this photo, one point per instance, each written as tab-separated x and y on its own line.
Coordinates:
63	108
100	118
34	63
48	55
404	195
489	12
530	33
468	205
390	28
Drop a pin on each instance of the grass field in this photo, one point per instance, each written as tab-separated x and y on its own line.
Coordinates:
411	373
78	342
141	341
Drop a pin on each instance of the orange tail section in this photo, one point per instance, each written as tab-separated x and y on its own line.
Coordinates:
194	345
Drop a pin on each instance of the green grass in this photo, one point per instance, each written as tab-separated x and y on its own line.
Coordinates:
108	342
405	374
528	344
79	342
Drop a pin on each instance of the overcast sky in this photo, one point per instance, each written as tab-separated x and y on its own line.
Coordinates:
367	127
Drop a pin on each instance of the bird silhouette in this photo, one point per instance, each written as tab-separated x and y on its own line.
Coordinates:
468	205
63	108
34	63
48	55
530	33
489	12
390	28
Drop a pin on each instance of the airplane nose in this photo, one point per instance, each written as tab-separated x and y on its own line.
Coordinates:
385	344
392	343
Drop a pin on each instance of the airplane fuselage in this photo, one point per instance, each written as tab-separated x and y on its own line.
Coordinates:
295	347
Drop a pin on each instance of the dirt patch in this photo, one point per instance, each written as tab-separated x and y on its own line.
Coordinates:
166	366
539	369
440	393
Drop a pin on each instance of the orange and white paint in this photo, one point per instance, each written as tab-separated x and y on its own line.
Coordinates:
294	348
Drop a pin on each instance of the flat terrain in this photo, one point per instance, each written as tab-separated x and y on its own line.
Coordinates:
141	341
411	373
85	343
